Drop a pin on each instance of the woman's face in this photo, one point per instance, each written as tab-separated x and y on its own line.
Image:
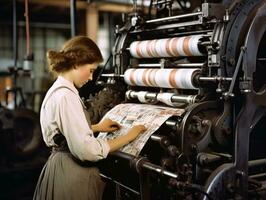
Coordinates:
84	73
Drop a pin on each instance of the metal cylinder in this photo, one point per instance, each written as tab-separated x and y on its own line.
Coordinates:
189	99
162	140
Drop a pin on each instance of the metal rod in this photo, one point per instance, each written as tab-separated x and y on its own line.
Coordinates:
189	65
215	78
231	87
161	2
175	98
73	20
206	43
159	170
149	65
113	75
254	163
177	25
257	175
111	179
173	17
161	139
123	155
141	162
15	35
171	123
198	32
184	98
179	34
156	138
151	95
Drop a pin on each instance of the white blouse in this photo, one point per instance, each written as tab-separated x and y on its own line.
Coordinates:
63	111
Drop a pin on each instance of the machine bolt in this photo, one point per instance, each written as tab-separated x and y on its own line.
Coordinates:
232	61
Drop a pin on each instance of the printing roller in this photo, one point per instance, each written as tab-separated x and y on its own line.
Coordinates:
169	47
165	78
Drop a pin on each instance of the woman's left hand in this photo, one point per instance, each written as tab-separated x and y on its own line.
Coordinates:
107	125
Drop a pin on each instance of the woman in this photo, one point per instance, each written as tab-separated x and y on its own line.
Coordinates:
66	127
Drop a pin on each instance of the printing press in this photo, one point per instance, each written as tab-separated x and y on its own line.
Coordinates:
208	60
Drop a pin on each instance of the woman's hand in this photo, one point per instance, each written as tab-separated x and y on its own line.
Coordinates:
120	141
106	125
135	131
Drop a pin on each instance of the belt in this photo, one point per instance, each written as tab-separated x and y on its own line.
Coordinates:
61	142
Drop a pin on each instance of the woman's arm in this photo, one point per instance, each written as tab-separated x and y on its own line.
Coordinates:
106	125
120	141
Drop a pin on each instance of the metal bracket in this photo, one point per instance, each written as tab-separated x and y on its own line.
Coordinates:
232	85
213	10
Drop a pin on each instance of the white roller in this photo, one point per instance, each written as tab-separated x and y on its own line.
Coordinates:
127	75
194	47
142	97
183	78
169	47
165	78
162	78
166	98
138	77
133	47
179	46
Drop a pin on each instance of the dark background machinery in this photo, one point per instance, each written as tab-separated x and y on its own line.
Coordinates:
216	149
22	152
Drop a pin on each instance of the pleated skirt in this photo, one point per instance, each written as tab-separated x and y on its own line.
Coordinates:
64	179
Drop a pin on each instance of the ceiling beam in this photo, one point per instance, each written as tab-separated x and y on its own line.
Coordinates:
100	6
58	3
114	7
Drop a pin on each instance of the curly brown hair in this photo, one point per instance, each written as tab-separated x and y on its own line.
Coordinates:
77	51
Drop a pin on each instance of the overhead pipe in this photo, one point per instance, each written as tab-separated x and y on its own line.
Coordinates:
15	33
28	57
73	17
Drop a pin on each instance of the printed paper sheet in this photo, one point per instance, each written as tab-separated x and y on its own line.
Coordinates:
128	115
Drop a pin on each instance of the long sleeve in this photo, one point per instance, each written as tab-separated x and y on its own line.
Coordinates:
73	124
62	110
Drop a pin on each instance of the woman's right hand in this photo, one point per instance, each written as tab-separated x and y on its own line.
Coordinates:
131	135
136	130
